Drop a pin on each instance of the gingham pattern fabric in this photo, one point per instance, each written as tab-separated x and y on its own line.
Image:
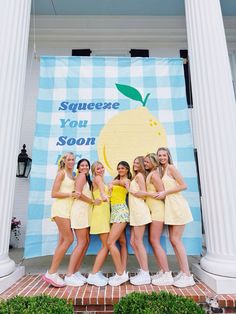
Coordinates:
92	79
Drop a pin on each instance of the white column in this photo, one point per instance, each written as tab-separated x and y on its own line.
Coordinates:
14	32
214	123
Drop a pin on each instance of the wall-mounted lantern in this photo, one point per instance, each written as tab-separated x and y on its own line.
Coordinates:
23	164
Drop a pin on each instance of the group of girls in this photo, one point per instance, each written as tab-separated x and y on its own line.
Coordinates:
88	206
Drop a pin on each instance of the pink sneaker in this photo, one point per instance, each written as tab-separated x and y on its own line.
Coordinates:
54	279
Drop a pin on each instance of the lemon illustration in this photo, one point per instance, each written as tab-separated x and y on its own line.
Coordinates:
130	133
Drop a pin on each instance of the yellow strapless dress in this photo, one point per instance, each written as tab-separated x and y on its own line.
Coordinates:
177	211
139	211
81	211
100	218
61	207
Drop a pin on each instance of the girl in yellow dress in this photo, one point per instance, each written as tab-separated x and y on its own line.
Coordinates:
80	221
139	217
119	220
100	223
64	194
154	184
177	213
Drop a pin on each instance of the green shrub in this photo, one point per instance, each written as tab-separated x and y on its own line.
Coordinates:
35	305
161	303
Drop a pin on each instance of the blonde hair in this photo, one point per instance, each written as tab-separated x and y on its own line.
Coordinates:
142	168
153	159
61	162
170	161
94	166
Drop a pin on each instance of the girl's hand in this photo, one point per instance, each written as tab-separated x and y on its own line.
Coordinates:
75	194
105	198
127	184
161	195
97	201
153	194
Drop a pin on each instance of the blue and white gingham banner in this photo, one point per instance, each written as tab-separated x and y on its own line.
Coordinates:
78	96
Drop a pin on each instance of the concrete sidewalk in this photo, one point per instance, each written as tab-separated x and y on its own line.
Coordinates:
41	264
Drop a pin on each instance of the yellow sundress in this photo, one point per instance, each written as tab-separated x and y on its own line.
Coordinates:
177	211
100	218
139	211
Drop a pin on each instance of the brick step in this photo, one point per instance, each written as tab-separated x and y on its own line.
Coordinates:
93	299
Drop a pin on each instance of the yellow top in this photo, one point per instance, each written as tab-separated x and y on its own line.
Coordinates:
118	195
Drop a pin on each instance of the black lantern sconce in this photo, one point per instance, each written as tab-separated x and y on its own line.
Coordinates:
23	164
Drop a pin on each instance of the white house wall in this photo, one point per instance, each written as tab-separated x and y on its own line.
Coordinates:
58	35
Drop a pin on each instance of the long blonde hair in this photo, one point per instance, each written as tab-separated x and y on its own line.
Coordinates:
153	159
61	162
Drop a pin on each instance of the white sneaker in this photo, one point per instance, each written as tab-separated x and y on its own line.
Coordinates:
165	279
178	276
96	280
102	276
157	275
80	276
142	278
73	281
54	279
117	280
184	281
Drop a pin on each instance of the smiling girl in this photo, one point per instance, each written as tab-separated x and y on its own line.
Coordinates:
119	219
177	213
100	223
139	218
64	194
80	221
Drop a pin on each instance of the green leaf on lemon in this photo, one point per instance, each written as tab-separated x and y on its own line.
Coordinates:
132	93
